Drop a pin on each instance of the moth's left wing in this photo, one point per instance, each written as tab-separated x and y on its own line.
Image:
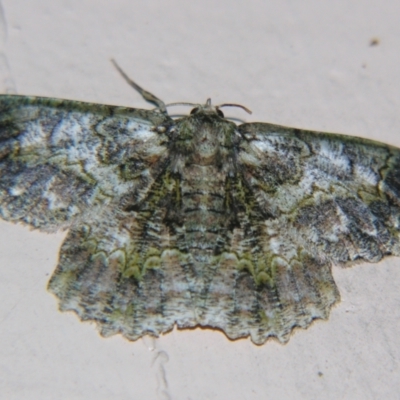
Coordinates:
315	199
60	159
338	196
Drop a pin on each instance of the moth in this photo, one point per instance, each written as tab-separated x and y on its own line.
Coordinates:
194	221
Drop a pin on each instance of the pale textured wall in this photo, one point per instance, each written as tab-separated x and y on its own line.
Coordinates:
301	63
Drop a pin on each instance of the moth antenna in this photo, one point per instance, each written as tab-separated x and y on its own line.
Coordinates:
181	104
145	94
235	105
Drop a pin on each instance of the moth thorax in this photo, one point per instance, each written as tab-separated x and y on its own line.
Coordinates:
206	145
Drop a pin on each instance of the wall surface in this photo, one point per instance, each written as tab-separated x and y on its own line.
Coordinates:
316	64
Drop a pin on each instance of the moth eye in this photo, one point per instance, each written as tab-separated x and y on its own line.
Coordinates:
220	113
194	111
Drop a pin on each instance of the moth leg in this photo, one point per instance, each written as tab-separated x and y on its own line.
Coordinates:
145	94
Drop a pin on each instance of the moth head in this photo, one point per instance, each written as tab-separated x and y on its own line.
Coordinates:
208	108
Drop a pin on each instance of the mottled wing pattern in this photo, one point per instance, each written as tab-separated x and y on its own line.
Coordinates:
63	160
195	221
318	199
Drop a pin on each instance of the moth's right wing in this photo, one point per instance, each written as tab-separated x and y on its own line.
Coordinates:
315	199
61	159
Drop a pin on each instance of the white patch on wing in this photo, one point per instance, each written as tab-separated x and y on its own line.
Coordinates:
366	174
263	145
141	132
16	190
